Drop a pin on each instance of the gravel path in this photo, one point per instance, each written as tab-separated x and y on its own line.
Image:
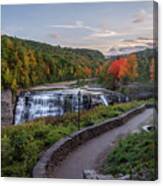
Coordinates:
91	154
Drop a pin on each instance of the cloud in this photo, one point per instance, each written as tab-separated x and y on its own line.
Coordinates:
140	17
103	34
140	41
96	32
76	25
104	37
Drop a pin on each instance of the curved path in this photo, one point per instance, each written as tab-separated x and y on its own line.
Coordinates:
92	153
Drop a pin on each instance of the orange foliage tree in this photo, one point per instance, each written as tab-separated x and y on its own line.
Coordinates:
122	68
119	68
132	66
117	71
87	71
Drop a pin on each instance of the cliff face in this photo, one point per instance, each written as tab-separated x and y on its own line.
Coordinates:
6	107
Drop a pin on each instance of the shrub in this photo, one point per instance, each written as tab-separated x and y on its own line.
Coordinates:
134	155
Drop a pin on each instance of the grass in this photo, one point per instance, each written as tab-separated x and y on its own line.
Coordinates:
22	145
134	156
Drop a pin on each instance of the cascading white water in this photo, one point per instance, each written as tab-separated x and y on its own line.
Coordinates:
41	104
20	110
33	105
44	105
105	102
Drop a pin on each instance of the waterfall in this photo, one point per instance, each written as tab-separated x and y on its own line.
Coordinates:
105	102
20	110
45	105
32	105
41	104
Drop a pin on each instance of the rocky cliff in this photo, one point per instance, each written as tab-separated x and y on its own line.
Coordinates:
6	107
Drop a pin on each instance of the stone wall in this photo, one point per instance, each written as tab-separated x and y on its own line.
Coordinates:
6	107
58	151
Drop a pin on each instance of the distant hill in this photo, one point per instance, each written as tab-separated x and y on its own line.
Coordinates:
26	63
132	46
125	50
144	53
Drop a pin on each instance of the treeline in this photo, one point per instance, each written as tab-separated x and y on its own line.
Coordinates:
27	63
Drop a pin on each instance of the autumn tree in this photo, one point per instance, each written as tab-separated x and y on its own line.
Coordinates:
124	68
116	72
132	72
87	71
119	68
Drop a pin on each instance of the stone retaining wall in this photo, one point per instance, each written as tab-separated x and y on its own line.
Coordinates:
58	151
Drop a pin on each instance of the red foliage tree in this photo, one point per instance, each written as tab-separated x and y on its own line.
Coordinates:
119	68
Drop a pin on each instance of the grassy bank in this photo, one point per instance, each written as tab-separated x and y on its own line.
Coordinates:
134	156
22	145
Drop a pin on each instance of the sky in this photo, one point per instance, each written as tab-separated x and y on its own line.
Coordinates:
101	26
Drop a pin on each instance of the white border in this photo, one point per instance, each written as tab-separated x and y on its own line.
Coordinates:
64	182
58	1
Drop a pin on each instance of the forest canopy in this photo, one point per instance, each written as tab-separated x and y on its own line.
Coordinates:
27	63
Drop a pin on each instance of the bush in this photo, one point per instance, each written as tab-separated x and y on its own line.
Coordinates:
135	156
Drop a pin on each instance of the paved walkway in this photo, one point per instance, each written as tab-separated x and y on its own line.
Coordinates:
92	153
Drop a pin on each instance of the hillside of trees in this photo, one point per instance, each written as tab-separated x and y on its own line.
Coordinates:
134	67
27	63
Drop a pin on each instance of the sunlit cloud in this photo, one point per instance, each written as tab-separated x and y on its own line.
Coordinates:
103	34
140	40
76	25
